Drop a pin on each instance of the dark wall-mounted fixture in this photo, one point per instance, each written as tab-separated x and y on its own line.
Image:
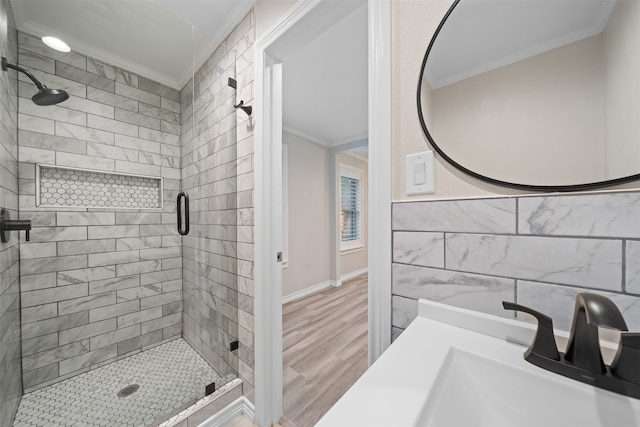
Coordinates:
45	96
183	226
7	224
246	108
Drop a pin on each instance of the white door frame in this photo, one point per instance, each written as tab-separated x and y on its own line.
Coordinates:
268	192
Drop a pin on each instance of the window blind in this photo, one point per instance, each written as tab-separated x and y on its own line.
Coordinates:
350	209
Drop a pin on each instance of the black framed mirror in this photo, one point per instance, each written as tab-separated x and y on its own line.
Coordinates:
537	95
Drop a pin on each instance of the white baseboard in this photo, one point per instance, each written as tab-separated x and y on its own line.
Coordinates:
353	274
303	293
238	408
317	288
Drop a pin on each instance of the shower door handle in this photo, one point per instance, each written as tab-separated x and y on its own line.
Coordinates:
185	196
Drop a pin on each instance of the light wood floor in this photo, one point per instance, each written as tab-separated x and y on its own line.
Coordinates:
325	350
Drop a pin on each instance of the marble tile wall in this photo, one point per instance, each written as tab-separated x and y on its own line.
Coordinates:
97	284
217	173
539	251
10	373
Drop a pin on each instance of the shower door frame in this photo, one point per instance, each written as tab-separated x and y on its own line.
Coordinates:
268	196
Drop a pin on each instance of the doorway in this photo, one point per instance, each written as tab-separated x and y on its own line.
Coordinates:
305	20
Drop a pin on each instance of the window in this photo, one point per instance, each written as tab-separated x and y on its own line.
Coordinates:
350	208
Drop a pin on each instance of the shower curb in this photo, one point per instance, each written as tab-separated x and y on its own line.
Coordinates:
198	409
241	407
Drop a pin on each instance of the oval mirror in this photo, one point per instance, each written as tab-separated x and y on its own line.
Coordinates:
536	94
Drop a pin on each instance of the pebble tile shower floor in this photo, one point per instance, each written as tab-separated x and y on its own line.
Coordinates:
170	377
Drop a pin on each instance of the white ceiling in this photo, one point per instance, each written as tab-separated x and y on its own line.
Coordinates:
483	35
325	84
141	36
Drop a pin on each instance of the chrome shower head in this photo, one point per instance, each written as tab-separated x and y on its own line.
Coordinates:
45	96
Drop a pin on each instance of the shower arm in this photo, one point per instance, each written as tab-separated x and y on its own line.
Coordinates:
35	81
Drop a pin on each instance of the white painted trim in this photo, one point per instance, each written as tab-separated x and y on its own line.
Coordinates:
263	312
268	339
241	407
303	135
328	144
379	209
353	274
308	291
350	171
356	156
285	206
268	312
349	139
352	250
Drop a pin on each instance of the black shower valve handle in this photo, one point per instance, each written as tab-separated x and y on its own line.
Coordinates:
7	224
544	343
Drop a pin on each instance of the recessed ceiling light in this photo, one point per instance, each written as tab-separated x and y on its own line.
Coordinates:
56	43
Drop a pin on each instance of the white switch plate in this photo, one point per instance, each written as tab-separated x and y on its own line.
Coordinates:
419	169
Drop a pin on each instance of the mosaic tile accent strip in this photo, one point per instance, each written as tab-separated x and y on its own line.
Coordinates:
171	376
84	188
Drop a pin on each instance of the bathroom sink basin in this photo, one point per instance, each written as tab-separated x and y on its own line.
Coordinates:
457	368
498	393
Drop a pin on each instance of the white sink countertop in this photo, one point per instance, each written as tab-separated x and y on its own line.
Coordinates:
454	368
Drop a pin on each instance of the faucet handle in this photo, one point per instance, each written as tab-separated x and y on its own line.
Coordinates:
626	363
544	343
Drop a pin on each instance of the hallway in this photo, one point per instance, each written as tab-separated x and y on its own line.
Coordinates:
325	349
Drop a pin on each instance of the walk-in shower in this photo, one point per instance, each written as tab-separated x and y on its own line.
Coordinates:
109	315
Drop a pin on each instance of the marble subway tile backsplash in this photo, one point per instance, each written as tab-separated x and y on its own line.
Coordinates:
419	248
473	291
593	263
538	251
597	215
490	216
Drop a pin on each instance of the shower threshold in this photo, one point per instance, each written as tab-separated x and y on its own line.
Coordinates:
141	390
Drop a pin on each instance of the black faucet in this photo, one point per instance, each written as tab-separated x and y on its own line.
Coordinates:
583	359
7	224
591	311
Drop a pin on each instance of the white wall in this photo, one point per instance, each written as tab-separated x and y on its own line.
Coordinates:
309	194
309	198
355	260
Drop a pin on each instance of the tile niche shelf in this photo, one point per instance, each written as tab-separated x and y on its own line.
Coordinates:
85	188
